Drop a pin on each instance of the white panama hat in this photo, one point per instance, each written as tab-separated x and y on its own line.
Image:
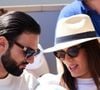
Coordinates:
71	31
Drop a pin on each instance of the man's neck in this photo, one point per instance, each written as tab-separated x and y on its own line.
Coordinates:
3	72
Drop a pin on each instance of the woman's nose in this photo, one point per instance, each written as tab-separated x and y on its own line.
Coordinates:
68	58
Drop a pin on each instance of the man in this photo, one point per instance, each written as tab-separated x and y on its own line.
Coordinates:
19	37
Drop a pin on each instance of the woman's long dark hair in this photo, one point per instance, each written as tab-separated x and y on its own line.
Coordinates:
92	49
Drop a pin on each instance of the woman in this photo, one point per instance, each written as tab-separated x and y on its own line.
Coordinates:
77	46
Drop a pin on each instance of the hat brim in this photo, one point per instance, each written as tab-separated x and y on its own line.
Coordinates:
68	44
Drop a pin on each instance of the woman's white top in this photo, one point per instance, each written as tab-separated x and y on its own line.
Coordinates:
51	82
86	84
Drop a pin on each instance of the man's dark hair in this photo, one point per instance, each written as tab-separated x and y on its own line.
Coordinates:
13	24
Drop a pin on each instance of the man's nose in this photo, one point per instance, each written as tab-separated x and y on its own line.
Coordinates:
30	59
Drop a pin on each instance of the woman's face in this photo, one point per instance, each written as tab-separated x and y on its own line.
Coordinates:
77	65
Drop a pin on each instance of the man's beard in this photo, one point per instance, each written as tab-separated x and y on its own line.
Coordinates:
10	65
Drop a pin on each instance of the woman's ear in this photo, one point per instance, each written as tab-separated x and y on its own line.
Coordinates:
3	45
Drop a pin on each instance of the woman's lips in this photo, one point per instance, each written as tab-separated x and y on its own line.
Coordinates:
73	67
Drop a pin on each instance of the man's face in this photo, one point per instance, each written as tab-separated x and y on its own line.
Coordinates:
14	60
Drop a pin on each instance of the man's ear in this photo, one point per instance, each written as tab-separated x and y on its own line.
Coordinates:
3	45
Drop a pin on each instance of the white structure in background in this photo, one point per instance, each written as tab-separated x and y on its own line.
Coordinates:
39	66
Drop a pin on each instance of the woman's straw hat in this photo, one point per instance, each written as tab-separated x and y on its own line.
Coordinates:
73	30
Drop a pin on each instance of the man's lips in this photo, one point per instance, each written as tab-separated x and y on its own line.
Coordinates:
23	65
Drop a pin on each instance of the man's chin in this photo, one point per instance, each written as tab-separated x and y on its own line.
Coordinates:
17	73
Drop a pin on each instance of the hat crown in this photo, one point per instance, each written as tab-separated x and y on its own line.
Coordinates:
73	25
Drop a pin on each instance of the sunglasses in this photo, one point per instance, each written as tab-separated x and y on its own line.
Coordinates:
28	52
72	52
